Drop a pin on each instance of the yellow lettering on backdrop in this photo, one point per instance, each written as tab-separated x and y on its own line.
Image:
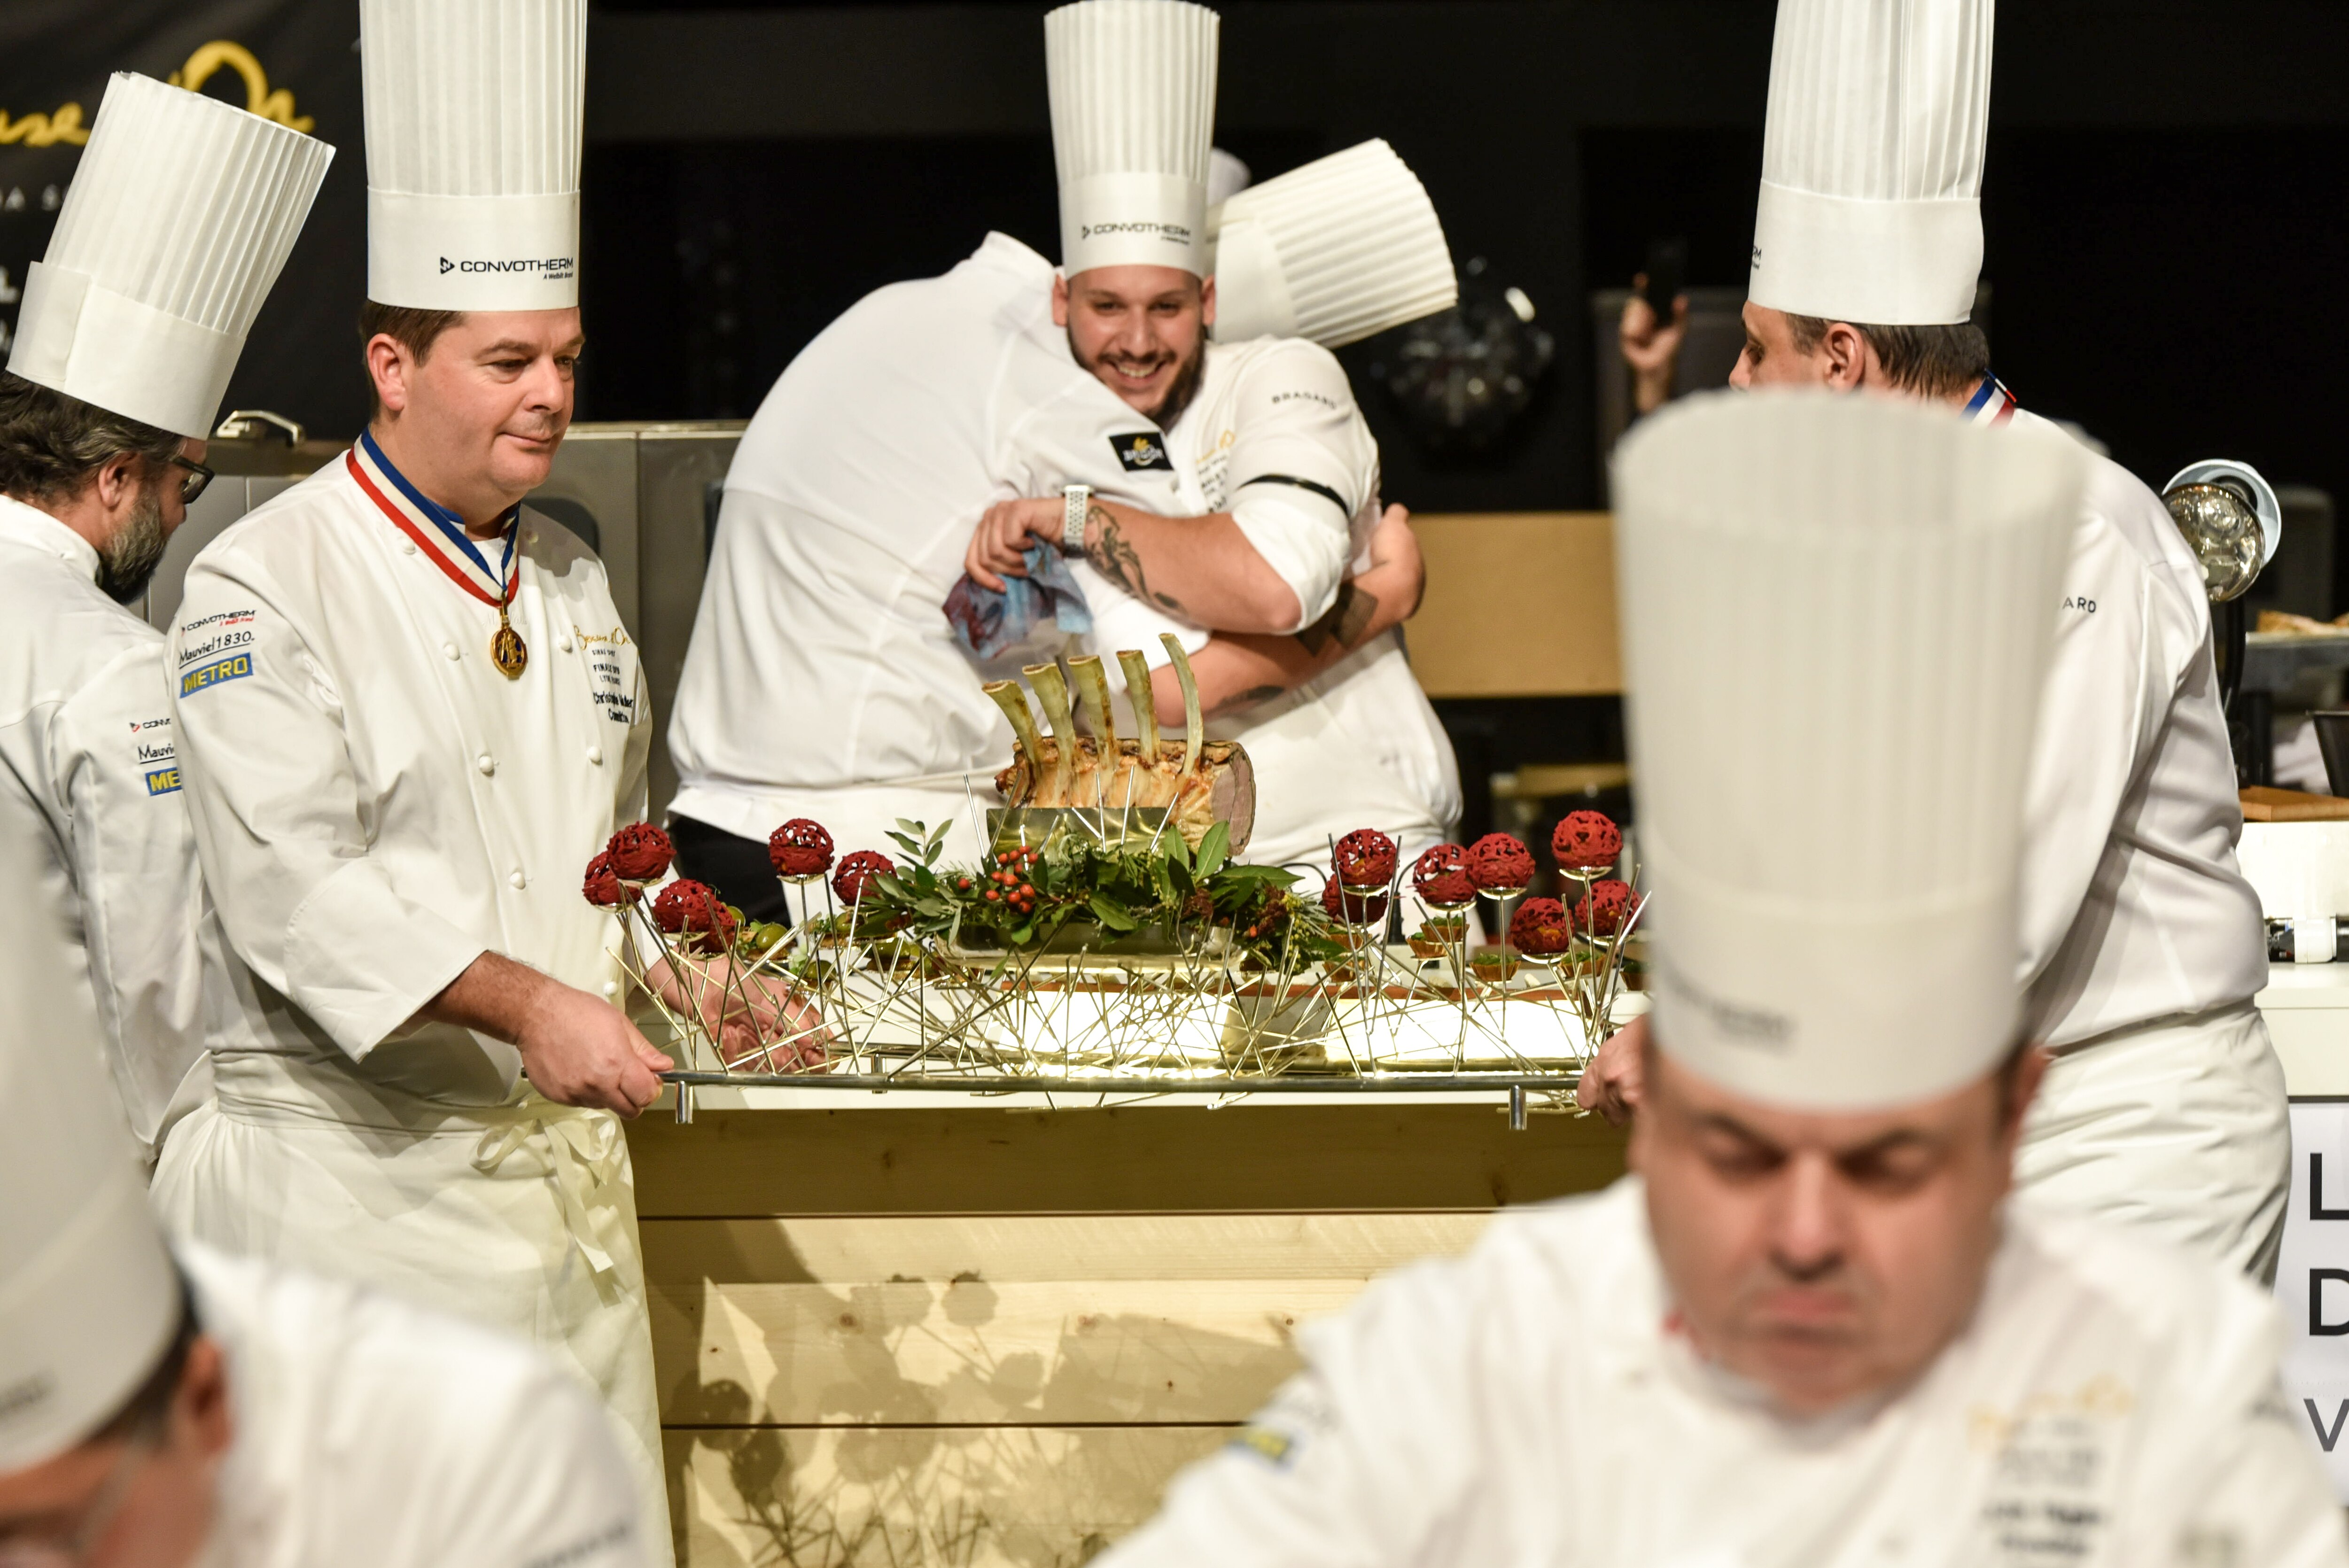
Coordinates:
65	125
258	97
45	129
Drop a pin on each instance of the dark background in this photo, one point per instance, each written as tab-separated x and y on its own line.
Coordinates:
2167	198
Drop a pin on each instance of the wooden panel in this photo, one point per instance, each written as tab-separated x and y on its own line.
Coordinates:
1180	1319
1518	605
1026	1496
1140	1159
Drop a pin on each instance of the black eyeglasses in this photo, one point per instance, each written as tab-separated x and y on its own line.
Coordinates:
198	478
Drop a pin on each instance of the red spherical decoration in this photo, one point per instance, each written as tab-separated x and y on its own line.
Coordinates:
1540	927
693	912
1440	877
799	848
1498	864
1587	841
1352	907
640	853
857	872
1602	911
1365	858
603	888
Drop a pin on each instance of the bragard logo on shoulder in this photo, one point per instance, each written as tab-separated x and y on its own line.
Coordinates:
554	269
1140	452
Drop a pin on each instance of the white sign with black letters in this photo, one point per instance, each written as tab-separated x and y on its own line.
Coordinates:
2313	1281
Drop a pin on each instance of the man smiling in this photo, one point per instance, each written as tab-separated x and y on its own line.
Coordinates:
1810	1332
432	724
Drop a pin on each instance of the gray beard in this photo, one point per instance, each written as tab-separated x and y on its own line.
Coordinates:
126	563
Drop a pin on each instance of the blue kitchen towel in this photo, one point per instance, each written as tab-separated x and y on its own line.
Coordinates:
988	623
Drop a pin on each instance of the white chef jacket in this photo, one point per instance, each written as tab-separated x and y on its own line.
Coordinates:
1275	437
822	680
2134	910
375	805
369	1434
1531	1403
89	768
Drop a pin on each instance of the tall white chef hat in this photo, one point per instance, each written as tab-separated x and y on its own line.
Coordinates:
1872	160
180	214
473	126
1839	611
1343	247
1133	106
89	1300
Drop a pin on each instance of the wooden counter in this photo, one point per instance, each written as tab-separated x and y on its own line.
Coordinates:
971	1335
1519	603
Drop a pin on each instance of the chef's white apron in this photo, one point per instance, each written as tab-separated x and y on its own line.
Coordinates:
2180	1128
375	1185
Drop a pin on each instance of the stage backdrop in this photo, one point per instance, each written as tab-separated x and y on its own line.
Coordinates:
295	61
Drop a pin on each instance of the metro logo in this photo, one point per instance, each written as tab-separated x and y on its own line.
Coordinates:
235	667
163	781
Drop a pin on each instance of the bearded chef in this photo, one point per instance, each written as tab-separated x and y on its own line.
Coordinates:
396	780
120	362
1809	1332
2143	945
170	1407
1269	487
846	519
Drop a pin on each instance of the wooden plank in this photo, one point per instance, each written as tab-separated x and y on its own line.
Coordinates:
983	1322
1019	1497
1518	605
1133	1159
998	1249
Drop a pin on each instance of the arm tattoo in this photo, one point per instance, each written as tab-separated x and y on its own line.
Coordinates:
1255	695
1349	617
1115	558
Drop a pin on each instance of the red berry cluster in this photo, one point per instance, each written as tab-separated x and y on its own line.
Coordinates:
1587	841
1365	858
640	852
693	911
1007	885
1441	878
858	870
1602	911
1498	864
603	888
1540	927
799	848
1351	905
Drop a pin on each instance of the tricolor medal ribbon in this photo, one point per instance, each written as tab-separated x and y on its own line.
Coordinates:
507	649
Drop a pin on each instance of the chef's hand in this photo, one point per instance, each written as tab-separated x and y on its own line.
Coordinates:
1395	558
1001	541
760	1019
1610	1084
579	1050
1649	346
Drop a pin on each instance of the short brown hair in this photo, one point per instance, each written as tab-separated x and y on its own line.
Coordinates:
414	330
51	443
1933	361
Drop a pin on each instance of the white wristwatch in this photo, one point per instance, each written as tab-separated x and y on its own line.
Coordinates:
1076	503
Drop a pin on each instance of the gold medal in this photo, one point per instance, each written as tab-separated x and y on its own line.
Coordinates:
507	649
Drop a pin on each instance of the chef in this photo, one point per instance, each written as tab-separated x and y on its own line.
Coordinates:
2142	943
1810	1332
117	371
171	1407
1270	484
398	777
822	681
